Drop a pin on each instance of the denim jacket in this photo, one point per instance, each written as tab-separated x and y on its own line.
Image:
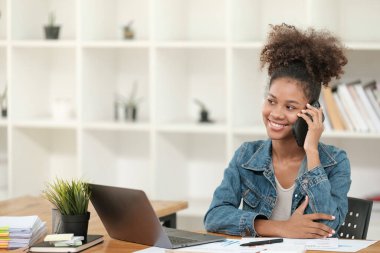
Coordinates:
250	178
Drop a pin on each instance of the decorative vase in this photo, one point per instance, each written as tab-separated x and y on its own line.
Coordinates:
76	224
56	221
52	32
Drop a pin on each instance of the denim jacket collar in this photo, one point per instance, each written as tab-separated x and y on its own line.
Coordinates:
262	159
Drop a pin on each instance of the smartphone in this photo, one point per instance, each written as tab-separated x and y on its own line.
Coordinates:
300	127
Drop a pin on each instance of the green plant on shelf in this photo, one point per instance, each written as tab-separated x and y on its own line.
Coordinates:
51	19
51	29
203	113
126	107
132	100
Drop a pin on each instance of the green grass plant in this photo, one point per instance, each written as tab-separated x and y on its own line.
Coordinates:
70	197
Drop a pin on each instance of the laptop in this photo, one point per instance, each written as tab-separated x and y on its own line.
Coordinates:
128	215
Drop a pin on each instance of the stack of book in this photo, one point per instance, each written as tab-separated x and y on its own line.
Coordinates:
353	106
20	231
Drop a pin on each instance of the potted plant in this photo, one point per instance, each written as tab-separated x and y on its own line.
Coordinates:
3	102
203	113
132	103
71	199
51	29
129	33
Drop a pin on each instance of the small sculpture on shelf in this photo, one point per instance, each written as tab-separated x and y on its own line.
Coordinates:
128	31
203	113
51	29
3	103
127	108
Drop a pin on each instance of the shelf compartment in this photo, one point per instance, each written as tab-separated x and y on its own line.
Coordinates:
183	75
40	156
119	158
3	162
112	126
193	128
43	44
116	71
361	65
30	17
190	20
116	44
247	87
366	15
105	19
44	84
3	82
190	44
189	166
250	19
337	16
4	18
46	123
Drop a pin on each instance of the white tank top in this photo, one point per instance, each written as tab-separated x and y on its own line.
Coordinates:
283	205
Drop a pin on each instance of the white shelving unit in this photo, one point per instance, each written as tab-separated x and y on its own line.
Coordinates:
183	49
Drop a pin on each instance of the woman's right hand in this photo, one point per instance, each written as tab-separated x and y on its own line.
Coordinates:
301	225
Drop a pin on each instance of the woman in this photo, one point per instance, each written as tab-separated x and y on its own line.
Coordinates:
288	190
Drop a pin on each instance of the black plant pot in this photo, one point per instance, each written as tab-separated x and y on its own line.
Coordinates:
52	32
76	224
204	117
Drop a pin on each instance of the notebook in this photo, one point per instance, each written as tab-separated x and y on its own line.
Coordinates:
128	215
49	247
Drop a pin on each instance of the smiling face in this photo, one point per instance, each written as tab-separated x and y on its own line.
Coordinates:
285	99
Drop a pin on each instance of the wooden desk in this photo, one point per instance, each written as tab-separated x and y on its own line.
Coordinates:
41	207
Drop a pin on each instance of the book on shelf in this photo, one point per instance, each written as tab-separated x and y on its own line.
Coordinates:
360	106
370	90
332	110
327	122
368	107
49	246
343	110
351	109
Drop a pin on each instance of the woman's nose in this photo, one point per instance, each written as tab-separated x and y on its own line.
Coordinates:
277	112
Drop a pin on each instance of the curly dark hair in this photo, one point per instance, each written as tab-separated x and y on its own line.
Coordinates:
311	57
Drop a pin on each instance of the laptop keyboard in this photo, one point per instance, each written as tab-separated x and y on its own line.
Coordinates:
180	240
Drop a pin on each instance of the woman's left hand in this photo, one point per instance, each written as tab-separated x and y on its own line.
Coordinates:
315	124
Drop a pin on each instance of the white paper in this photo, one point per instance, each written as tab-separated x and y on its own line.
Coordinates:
329	244
288	246
18	223
229	246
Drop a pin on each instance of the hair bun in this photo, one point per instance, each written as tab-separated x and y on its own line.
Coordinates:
320	52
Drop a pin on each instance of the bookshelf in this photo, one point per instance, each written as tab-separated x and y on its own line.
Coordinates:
205	49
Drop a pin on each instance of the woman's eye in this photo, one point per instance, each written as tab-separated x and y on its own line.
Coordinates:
290	108
270	101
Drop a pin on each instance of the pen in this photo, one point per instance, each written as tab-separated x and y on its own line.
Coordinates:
255	243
